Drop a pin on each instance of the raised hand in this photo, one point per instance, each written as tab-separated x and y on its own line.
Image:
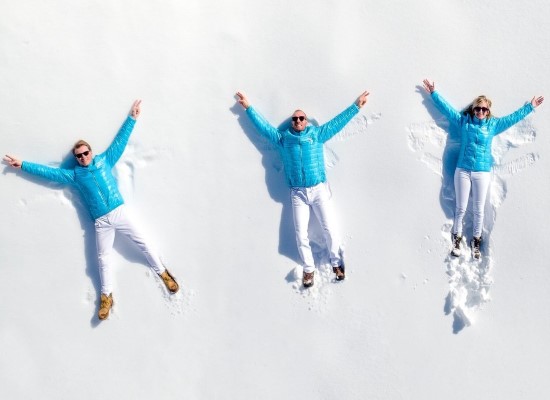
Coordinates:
362	99
11	160
136	109
243	101
430	87
537	101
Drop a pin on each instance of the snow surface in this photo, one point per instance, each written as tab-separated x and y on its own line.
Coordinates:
408	322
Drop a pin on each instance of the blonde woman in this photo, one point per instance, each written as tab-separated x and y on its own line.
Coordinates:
473	172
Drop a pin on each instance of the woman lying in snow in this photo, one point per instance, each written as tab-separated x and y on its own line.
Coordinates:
473	172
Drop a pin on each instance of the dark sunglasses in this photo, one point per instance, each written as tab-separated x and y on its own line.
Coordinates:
301	118
485	110
83	154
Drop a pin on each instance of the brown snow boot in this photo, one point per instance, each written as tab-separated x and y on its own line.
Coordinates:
169	281
105	306
340	272
307	279
456	239
476	244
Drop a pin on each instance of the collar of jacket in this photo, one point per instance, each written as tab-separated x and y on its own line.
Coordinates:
478	121
301	133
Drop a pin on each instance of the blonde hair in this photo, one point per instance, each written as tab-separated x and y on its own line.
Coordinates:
81	143
477	101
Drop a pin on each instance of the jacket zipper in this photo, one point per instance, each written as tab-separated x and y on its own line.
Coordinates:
302	165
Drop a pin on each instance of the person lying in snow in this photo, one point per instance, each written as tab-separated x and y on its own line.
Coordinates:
302	151
93	178
472	176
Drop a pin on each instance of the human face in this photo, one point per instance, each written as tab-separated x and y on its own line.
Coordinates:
299	121
481	109
83	155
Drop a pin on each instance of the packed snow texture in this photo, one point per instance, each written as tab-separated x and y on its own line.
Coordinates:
409	321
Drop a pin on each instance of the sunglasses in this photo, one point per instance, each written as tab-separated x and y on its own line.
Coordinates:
83	154
485	110
301	118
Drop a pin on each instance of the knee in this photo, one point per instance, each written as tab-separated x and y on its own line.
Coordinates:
460	210
103	257
302	235
478	213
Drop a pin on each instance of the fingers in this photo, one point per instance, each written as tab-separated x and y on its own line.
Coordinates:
537	101
362	100
136	108
12	161
242	100
430	87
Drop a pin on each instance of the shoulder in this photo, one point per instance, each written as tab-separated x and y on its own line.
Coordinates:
99	161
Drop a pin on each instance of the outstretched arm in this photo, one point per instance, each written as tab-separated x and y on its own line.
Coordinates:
262	125
506	122
115	150
53	174
11	160
335	125
442	105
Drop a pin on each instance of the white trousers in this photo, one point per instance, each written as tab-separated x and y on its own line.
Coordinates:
318	199
105	229
478	183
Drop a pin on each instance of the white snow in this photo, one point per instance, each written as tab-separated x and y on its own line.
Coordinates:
409	322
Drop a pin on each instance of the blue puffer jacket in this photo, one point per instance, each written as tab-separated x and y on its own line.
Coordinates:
477	135
302	152
95	182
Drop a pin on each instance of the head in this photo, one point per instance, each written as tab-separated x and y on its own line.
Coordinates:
480	107
83	153
299	120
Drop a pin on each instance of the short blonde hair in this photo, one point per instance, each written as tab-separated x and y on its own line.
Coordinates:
81	143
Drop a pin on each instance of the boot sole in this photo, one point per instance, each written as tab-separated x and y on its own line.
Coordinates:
174	279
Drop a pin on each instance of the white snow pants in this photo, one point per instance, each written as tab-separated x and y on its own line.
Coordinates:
318	199
105	228
478	183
